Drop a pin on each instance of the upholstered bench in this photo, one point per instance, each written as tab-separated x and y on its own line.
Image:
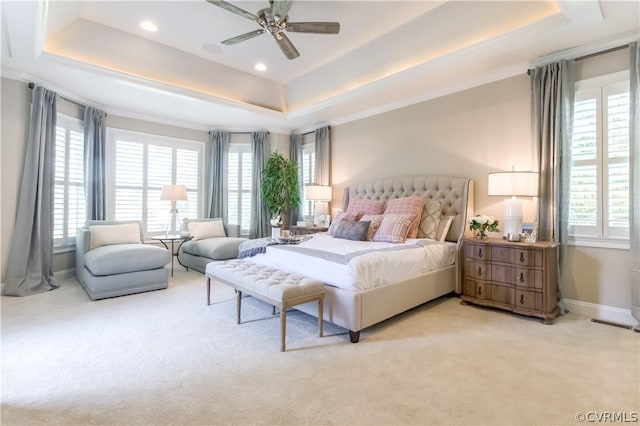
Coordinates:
277	288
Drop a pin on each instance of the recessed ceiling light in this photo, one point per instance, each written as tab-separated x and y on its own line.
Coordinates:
148	26
260	67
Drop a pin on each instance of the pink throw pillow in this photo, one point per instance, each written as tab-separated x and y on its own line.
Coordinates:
394	228
407	206
365	206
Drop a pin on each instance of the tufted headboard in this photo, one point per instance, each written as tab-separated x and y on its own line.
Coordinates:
457	194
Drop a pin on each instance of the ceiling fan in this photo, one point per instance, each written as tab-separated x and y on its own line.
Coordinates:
274	20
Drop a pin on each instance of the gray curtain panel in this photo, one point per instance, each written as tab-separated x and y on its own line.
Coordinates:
634	167
323	156
259	226
295	154
218	148
94	163
552	95
29	268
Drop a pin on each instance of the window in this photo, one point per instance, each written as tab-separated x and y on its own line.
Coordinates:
308	172
599	180
140	164
69	201
239	166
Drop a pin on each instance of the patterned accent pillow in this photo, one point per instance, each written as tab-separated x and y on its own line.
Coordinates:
394	228
443	228
366	206
375	221
340	217
430	219
352	230
407	205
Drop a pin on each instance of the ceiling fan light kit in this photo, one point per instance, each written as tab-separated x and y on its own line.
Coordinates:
275	20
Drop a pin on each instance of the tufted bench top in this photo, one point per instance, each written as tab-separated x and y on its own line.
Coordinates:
265	281
278	288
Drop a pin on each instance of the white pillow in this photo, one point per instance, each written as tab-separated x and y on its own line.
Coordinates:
206	229
122	233
443	227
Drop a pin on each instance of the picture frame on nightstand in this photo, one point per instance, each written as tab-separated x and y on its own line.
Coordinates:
324	220
528	232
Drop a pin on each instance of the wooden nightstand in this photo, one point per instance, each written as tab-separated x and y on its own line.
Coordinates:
304	230
518	277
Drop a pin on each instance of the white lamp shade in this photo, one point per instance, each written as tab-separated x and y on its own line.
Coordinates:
519	184
173	193
318	193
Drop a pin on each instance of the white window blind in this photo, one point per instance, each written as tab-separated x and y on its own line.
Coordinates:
69	200
599	182
239	178
141	165
308	172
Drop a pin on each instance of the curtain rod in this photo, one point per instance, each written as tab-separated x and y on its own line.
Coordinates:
32	85
591	55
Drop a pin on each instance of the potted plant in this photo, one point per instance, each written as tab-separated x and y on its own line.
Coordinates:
280	190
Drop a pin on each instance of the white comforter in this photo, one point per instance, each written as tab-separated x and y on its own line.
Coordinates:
386	263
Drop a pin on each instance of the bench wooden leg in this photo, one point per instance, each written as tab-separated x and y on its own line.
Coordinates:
283	327
238	305
320	313
208	291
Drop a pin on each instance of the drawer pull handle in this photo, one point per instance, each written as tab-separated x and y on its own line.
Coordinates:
521	257
479	291
479	271
521	277
479	252
522	299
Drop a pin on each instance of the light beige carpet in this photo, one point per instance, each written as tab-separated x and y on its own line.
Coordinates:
165	357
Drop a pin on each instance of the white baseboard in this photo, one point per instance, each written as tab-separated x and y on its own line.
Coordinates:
64	274
601	312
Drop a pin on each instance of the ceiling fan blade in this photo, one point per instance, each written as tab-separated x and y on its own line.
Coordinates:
314	27
234	9
242	37
286	46
281	8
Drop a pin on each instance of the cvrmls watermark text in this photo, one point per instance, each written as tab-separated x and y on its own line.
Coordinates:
607	416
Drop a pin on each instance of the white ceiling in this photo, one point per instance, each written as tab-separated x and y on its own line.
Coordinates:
388	54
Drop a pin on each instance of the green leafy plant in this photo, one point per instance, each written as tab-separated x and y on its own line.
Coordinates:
279	187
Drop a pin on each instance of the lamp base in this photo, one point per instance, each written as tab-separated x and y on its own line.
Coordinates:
512	216
174	215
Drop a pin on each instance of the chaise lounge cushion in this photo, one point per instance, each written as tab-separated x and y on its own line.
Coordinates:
123	258
221	248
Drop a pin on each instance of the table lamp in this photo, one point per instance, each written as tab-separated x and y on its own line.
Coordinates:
173	193
321	194
513	184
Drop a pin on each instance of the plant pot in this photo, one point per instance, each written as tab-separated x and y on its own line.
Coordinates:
276	232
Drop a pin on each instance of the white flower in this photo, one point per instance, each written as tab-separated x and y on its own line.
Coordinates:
275	221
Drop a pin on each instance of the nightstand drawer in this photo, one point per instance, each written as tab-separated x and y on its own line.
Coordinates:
478	290
531	278
502	294
478	270
477	252
528	300
526	257
502	274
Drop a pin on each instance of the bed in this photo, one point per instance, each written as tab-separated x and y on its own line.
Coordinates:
357	300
